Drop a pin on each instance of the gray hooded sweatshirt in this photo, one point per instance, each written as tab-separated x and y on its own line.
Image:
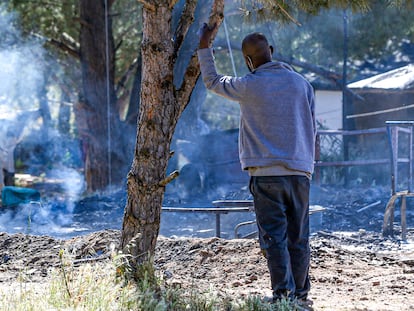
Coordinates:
277	120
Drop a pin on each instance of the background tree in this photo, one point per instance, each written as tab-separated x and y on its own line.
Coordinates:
77	34
95	111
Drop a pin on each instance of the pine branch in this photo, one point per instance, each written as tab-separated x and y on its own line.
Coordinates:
126	75
286	13
147	5
125	32
193	70
327	74
60	45
186	20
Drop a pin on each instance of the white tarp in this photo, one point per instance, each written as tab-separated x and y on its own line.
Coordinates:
400	78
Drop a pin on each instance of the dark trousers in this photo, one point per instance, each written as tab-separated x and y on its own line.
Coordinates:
282	214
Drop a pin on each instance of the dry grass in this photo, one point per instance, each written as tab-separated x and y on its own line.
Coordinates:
98	286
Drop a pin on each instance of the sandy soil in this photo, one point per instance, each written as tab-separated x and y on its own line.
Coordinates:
349	271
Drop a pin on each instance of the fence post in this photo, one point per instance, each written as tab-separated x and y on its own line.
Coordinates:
410	159
317	159
393	141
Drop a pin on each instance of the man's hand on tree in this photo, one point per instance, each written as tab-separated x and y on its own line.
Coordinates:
205	34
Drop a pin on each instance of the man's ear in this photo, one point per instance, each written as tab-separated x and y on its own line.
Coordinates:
271	49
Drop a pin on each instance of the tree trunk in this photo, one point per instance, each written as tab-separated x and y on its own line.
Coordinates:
92	114
133	106
64	114
160	107
156	121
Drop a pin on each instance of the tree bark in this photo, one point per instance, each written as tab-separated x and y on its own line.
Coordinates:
64	114
133	107
158	116
160	107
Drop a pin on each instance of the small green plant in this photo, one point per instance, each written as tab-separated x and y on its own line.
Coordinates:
255	303
90	287
64	274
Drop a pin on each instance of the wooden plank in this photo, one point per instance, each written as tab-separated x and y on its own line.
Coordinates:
403	212
378	130
249	207
233	203
217	210
355	162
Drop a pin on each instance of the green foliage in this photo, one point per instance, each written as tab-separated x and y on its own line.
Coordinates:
375	30
49	18
127	31
284	11
384	27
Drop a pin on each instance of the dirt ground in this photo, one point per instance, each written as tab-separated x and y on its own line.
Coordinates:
349	271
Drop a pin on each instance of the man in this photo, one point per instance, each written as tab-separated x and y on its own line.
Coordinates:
276	146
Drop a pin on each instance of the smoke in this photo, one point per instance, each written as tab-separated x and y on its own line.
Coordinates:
21	73
45	152
54	213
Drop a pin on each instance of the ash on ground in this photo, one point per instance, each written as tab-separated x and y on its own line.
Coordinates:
357	209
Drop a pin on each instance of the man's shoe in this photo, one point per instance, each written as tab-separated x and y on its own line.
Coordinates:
304	304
